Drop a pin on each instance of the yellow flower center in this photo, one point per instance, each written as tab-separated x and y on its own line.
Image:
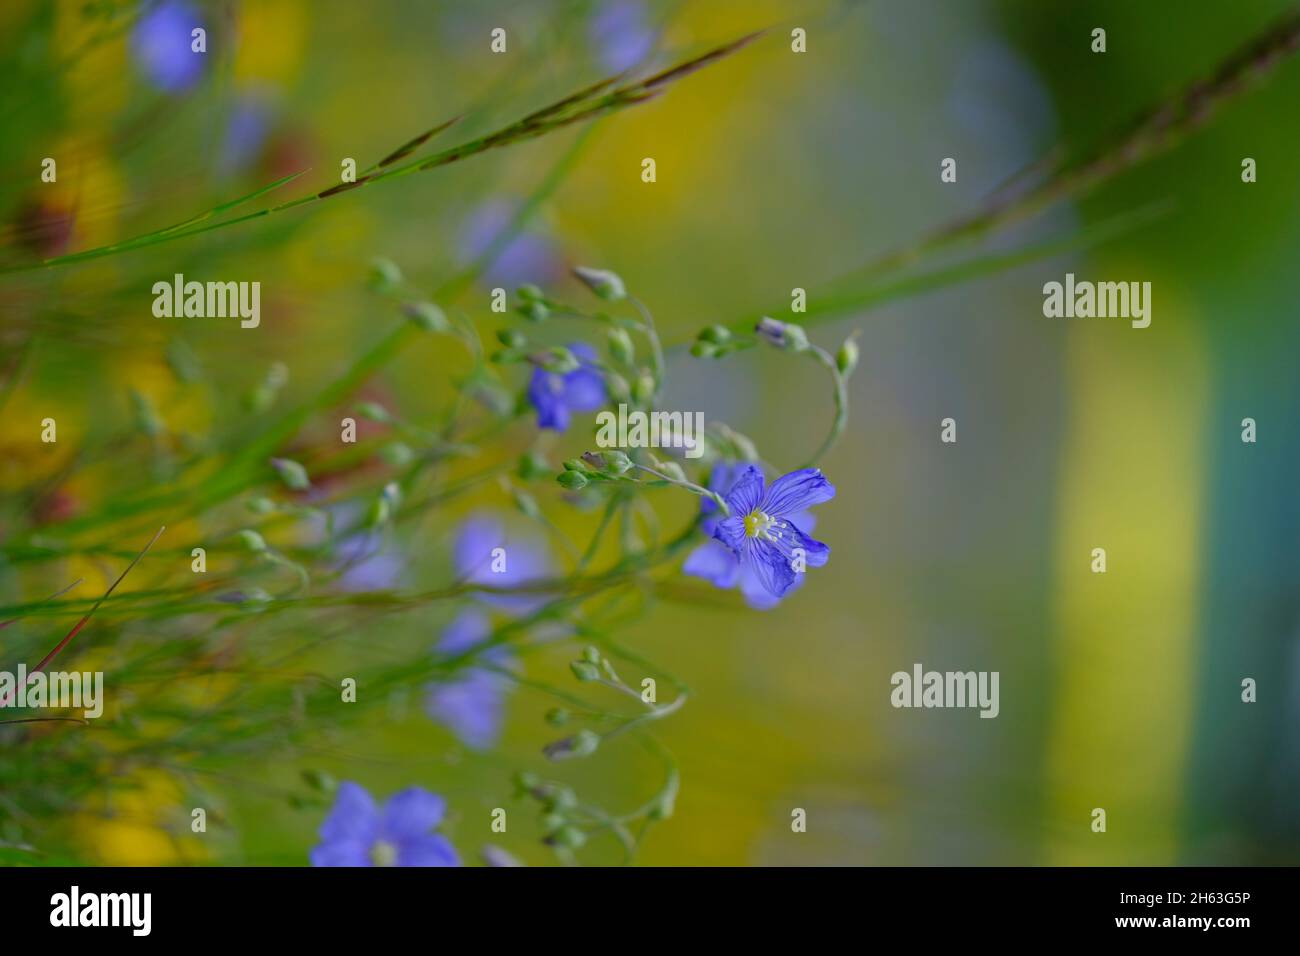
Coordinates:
383	853
757	524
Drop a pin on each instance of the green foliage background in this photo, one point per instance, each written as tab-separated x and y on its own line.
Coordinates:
775	170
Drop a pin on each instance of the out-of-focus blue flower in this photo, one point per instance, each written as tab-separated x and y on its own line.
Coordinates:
246	133
359	833
527	257
161	45
472	703
762	531
621	35
557	396
362	560
365	565
519	561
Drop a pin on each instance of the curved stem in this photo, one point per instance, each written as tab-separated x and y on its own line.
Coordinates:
841	404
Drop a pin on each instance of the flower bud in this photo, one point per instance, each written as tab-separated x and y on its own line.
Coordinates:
702	349
617	387
291	473
506	356
530	293
534	311
277	376
146	415
495	856
607	285
672	470
561	799
714	335
511	338
319	780
617	462
663	806
253	597
427	316
846	359
398	454
557	359
252	540
643	391
582	744
260	398
573	480
796	338
620	346
384	275
570	837
771	331
585	671
377	513
373	411
782	335
594	459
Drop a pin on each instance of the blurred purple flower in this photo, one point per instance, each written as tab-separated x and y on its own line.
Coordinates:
359	833
246	133
365	565
527	257
997	97
621	35
761	567
471	704
161	45
557	396
520	562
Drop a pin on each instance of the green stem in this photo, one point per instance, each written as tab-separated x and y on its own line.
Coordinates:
841	404
689	486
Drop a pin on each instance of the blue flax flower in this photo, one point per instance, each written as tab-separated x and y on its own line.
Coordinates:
471	704
716	563
522	561
161	42
762	531
519	256
621	34
247	132
556	397
359	833
364	565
